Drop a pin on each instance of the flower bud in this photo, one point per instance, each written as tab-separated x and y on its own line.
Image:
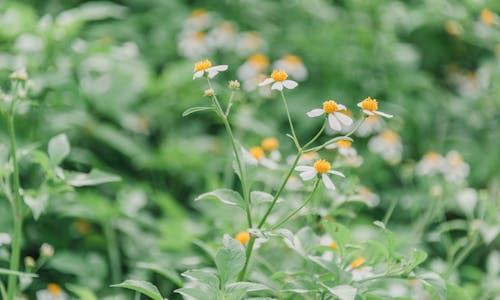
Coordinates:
234	84
29	262
46	250
209	93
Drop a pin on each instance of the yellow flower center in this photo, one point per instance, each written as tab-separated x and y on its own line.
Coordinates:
242	237
202	65
257	152
358	262
456	160
279	75
452	27
390	136
292	59
54	289
344	143
346	112
487	17
334	245
369	104
322	166
330	106
432	156
270	144
198	12
259	60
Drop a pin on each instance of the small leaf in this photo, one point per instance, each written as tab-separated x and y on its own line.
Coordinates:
344	292
226	196
83	293
36	204
58	149
191	110
261	197
230	259
417	257
379	224
208	278
247	286
197	293
16	273
142	287
95	177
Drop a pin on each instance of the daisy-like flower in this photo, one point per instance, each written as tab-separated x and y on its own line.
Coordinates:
193	44
293	65
279	80
430	164
388	145
253	66
271	145
321	168
248	43
335	118
456	169
258	156
372	124
488	17
223	36
53	292
370	107
344	146
203	66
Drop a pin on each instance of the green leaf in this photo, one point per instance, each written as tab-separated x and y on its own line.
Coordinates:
417	257
83	293
339	233
434	281
261	197
191	110
226	196
36	204
197	293
59	148
456	293
247	286
230	259
142	287
16	273
343	292
208	278
169	274
95	177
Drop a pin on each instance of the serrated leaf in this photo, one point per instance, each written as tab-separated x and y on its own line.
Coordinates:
339	233
343	292
230	259
191	110
142	287
58	149
95	177
226	196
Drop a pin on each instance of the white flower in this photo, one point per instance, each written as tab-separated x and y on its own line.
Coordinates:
293	65
5	239
206	66
193	44
322	168
344	146
248	43
370	107
430	164
271	145
335	118
371	124
223	36
467	199
53	292
279	77
388	145
256	156
455	170
253	67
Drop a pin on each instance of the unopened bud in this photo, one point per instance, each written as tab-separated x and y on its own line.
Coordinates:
234	84
46	250
209	93
29	262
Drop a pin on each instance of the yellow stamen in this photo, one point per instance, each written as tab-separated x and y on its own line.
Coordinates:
452	27
279	75
198	12
390	136
456	160
270	144
202	65
347	112
358	262
242	237
334	245
259	60
256	152
199	35
369	104
487	17
322	166
54	289
344	143
330	106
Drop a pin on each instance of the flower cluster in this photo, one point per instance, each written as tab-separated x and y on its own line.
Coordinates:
452	166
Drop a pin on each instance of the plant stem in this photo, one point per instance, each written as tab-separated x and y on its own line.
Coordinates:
229	104
389	212
316	136
113	252
337	138
316	184
248	255
295	140
461	257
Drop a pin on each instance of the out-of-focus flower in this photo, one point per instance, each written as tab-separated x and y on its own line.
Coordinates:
253	66
279	80
258	156
29	43
20	74
29	262
488	17
370	107
53	292
222	36
293	65
248	43
209	93
199	19
388	145
366	196
320	168
335	118
344	147
5	239
467	199
271	145
203	66
456	169
46	250
242	237
453	27
430	164
193	44
234	84
371	124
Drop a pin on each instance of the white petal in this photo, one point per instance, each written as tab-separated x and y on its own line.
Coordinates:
315	112
341	107
212	73
304	168
336	173
368	112
333	122
308	175
198	74
327	182
359	105
219	68
343	118
290	84
266	81
268	163
277	86
383	114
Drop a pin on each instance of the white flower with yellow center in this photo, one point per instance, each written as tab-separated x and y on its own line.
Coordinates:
193	44
335	118
253	66
205	66
456	169
293	65
321	168
430	164
53	292
248	43
222	37
279	80
371	124
370	107
256	155
271	145
344	147
388	145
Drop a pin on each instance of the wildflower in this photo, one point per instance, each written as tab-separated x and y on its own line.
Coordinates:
488	17
279	77
455	169
344	146
193	44
467	199
294	184
358	262
53	292
388	145
203	66
258	156
234	84
5	239
335	118
430	164
366	196
199	19
223	36
320	168
253	66
242	237
29	262
371	124
293	65
249	42
209	93
19	75
271	145
46	250
334	245
370	107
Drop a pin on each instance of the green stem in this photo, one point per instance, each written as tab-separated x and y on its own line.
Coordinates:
316	184
229	104
113	252
337	138
317	135
461	257
389	212
248	255
295	140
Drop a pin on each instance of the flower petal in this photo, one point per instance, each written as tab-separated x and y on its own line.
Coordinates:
198	74
359	105
268	163
212	73
327	182
336	173
368	112
341	107
219	68
304	168
277	86
343	118
290	84
383	114
333	122
308	175
315	112
266	81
